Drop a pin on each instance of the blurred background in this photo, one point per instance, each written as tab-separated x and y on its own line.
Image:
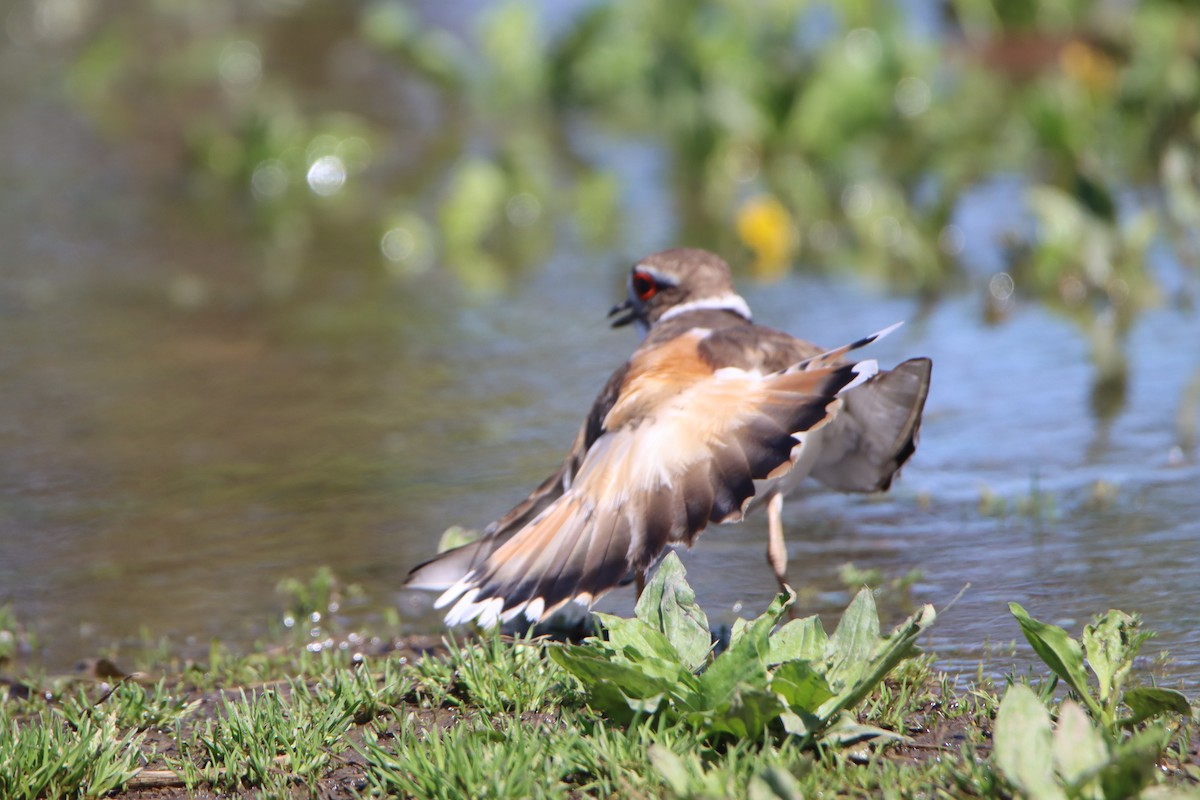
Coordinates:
296	283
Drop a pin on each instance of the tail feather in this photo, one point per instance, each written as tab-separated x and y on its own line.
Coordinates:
876	432
560	565
445	569
834	356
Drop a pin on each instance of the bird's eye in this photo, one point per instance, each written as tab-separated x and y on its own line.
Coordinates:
644	286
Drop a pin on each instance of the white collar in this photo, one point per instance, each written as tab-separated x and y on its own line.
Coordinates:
725	302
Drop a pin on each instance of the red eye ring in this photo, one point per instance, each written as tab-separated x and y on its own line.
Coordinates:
644	285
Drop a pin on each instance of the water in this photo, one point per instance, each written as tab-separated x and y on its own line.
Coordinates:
174	440
163	469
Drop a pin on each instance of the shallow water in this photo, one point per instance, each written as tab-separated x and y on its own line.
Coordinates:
174	440
162	470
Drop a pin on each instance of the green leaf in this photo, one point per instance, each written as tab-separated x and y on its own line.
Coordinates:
800	686
1133	763
747	714
1149	701
780	605
638	670
774	783
1021	743
857	634
1110	645
755	710
672	769
1060	652
456	536
640	644
668	604
890	652
846	730
742	664
1079	749
801	724
798	640
768	619
614	687
737	630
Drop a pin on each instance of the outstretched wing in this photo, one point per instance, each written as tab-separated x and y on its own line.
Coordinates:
680	447
447	568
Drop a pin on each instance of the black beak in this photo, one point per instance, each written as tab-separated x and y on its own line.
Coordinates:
627	309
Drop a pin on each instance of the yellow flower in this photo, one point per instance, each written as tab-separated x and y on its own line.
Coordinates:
1088	65
765	226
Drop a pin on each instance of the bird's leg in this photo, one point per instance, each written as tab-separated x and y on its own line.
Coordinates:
640	579
777	555
776	548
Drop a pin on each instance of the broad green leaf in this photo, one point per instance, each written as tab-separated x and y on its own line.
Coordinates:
780	605
768	619
747	715
637	671
800	724
897	647
743	663
737	629
642	645
757	708
798	640
774	783
1133	763
672	769
1021	742
668	604
1060	652
800	686
1110	646
611	684
1079	748
607	698
1149	701
846	730
857	633
853	641
590	664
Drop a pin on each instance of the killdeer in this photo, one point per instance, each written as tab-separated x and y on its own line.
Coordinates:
711	416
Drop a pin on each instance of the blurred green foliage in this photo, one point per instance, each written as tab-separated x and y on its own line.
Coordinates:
838	136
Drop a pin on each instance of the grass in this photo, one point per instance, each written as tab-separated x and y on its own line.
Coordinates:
496	717
48	754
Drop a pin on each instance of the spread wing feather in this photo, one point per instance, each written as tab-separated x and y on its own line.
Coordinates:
680	446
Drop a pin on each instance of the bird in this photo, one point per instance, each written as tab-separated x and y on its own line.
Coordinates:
711	417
